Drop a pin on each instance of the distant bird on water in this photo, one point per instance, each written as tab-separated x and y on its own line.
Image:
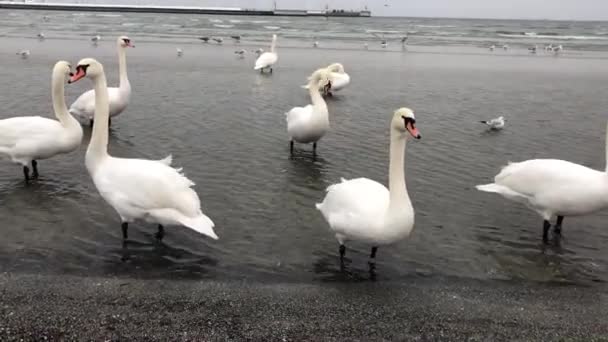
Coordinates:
533	49
40	36
492	47
384	44
96	39
505	47
237	39
218	40
204	39
366	46
315	44
259	51
240	53
24	53
180	52
495	124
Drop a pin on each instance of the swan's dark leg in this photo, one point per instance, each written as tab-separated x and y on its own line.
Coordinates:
91	121
314	147
161	232
271	70
342	252
558	226
373	254
546	226
125	228
109	121
26	173
35	169
372	263
291	146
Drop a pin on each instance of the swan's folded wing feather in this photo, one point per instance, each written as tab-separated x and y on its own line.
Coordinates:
355	206
147	185
265	60
84	106
26	129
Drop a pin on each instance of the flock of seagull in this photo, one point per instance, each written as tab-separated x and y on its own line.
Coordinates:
358	209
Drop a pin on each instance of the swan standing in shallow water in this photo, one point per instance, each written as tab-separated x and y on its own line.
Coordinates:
553	187
365	210
267	59
308	124
84	106
149	190
26	139
338	78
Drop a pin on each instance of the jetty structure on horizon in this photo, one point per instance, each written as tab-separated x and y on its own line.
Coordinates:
143	7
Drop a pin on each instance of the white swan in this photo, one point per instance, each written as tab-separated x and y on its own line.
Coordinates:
84	106
495	124
149	190
267	59
26	139
338	77
553	187
308	124
365	210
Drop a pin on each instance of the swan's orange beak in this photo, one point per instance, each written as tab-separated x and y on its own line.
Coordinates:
80	73
413	130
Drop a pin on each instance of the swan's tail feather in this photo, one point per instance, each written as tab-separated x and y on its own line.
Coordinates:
490	187
167	161
201	224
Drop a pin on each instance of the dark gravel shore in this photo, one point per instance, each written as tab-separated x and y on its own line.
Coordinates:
439	309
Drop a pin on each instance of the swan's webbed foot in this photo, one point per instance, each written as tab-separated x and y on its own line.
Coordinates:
160	233
546	227
35	169
125	228
26	173
557	229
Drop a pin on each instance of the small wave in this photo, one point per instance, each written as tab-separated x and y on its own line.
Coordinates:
108	15
130	24
216	21
381	31
539	36
171	25
272	27
435	26
235	21
223	26
260	21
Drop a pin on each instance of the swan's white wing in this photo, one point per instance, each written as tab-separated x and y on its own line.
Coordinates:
355	207
31	136
265	60
297	119
84	106
551	185
339	80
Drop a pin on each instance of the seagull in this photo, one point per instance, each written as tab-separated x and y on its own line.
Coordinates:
384	44
505	47
557	49
218	40
259	51
495	124
365	46
549	47
533	49
180	52
241	53
204	39
96	39
24	53
315	44
237	39
492	48
46	18
40	36
403	40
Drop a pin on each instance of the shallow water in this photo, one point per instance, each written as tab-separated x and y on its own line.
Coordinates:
224	124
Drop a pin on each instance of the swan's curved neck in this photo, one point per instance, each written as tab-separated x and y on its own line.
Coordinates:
58	96
316	98
273	45
98	147
396	175
122	67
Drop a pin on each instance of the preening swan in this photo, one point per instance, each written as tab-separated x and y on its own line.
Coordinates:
495	124
24	140
338	77
308	124
553	187
267	59
365	210
149	190
84	106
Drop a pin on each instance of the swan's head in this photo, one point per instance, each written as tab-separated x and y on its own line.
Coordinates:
320	79
62	69
405	121
124	41
336	67
87	67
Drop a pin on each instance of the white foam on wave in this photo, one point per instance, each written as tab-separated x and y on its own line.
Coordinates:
223	26
549	37
272	27
216	21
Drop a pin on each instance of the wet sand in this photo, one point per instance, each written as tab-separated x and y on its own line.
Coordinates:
420	309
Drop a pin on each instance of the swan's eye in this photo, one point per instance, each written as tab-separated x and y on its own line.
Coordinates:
409	120
127	41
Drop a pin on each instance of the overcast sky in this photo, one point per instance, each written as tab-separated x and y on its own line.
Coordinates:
504	9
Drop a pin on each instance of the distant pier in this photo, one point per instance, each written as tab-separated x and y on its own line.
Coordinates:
177	9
